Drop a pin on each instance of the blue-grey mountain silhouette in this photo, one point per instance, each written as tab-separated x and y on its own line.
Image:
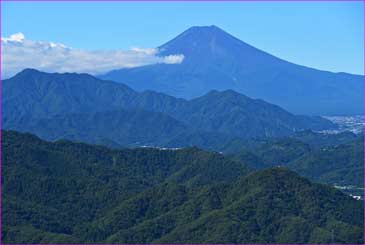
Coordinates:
213	59
82	107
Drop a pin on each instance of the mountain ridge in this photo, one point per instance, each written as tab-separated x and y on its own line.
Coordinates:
32	97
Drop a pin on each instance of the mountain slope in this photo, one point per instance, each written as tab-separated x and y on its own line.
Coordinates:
213	59
266	206
33	99
41	94
122	128
63	185
342	165
235	114
77	193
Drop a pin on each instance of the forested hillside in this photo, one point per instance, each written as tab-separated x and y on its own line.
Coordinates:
52	105
66	192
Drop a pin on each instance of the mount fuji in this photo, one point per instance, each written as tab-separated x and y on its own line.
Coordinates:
216	60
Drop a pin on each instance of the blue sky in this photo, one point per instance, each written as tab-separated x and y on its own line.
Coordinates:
324	35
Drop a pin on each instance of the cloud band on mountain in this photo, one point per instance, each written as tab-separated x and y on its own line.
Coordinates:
19	53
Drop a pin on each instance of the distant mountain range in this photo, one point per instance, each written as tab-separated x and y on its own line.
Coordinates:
82	107
215	60
66	192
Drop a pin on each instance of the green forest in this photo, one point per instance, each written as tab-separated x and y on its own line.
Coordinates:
69	192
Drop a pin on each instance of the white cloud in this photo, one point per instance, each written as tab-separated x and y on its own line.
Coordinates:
173	59
150	51
17	37
19	53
